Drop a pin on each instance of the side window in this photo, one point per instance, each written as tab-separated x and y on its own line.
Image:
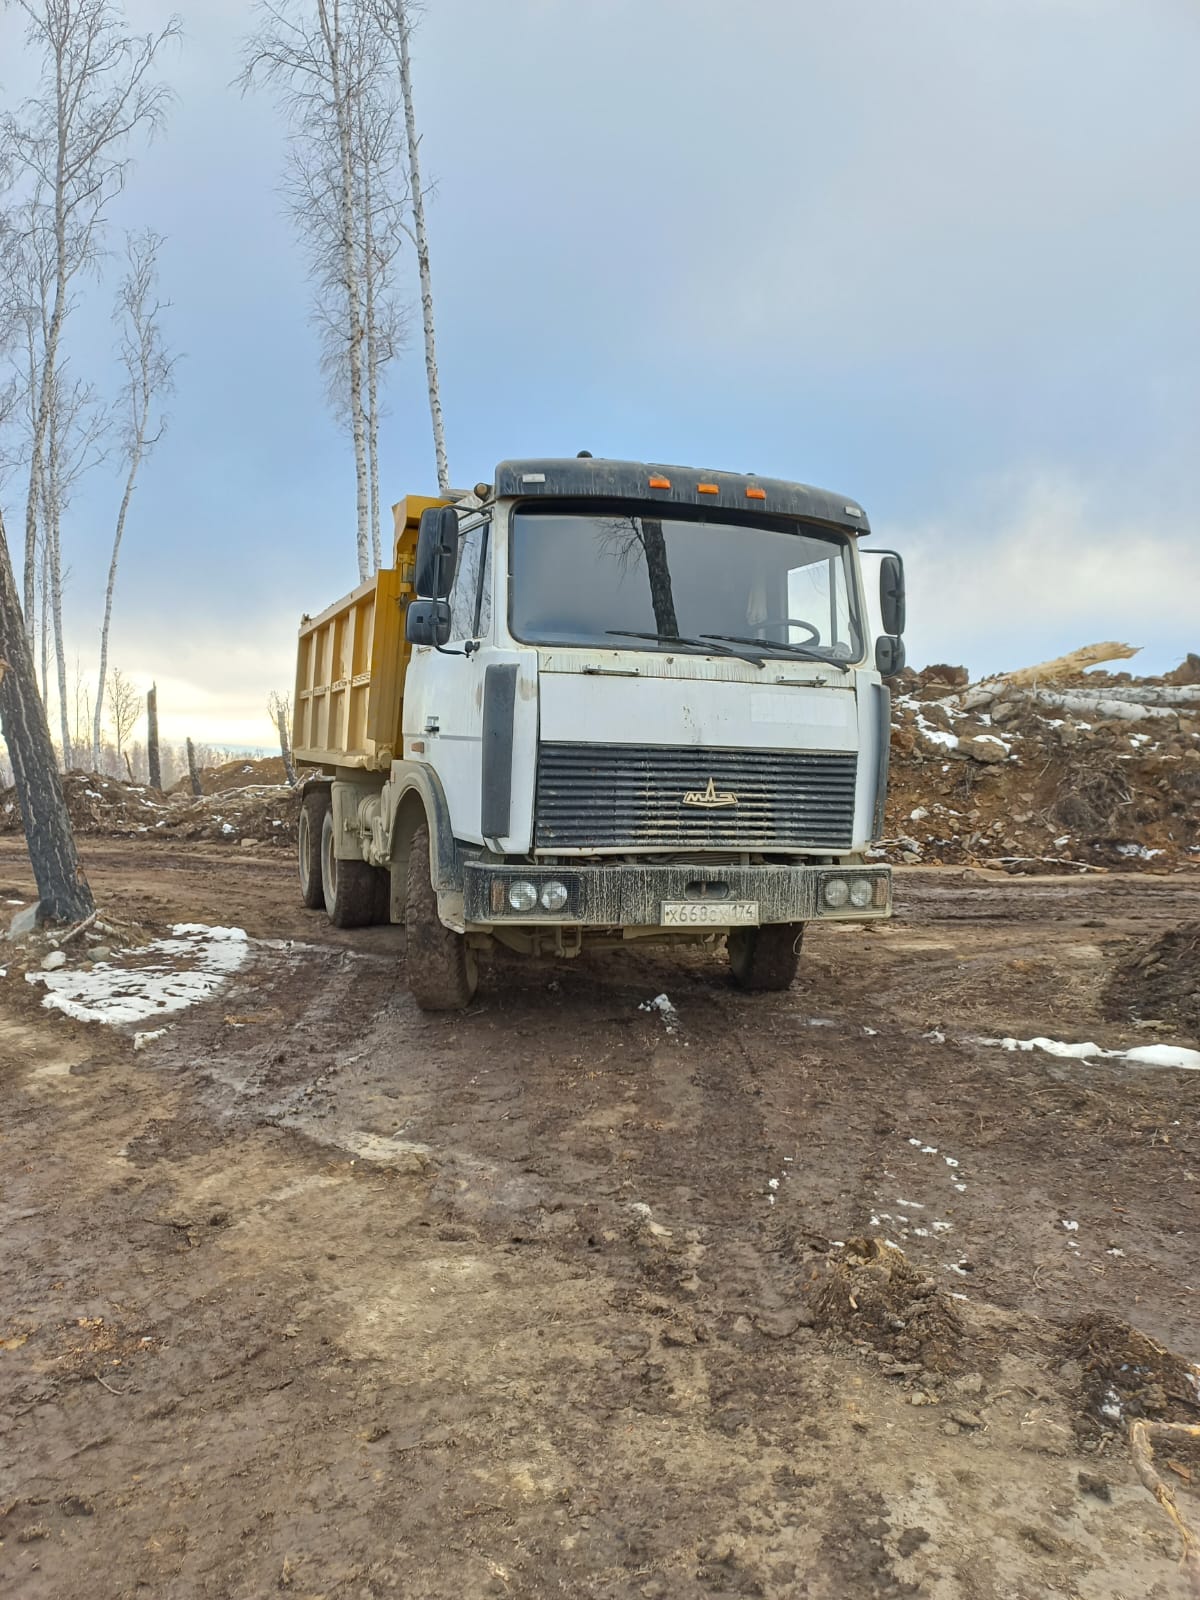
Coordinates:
464	597
484	627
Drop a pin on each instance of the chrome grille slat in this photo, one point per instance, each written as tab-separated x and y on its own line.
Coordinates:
626	797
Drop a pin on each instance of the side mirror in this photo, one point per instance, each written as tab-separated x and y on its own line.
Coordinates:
427	622
437	552
889	655
891	595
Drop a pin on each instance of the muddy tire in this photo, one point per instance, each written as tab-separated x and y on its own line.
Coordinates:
312	815
442	973
351	888
765	958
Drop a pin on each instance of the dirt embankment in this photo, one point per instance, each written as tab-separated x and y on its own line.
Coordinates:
243	802
1079	771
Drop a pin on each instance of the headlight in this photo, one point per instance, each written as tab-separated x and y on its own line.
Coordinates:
554	896
861	890
522	896
835	892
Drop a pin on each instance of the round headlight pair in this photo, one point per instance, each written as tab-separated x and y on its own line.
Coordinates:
524	896
838	892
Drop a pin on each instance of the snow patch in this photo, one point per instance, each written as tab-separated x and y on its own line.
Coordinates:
169	975
1149	1055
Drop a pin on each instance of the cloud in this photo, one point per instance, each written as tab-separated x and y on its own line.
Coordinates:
1029	567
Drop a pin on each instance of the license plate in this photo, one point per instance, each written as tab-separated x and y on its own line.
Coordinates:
709	913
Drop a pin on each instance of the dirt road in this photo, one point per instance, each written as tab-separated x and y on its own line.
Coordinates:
322	1296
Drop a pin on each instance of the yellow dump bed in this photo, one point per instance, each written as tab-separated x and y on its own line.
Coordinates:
351	661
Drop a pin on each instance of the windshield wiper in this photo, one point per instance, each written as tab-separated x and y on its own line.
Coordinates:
702	644
768	645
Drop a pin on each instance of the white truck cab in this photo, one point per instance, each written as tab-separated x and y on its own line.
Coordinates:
641	702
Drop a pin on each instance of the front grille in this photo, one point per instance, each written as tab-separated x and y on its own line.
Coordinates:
631	797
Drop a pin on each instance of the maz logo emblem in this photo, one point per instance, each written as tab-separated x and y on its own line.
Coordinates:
708	798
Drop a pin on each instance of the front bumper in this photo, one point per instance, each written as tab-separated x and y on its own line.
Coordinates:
624	896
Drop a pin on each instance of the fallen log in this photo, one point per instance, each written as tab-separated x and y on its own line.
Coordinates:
1100	704
1088	655
1148	694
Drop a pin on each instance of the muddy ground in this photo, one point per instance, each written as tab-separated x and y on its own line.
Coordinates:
321	1296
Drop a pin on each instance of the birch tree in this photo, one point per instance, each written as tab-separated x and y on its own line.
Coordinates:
395	20
311	55
125	708
71	142
279	709
148	369
76	425
380	202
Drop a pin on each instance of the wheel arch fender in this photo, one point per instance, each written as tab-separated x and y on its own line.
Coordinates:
421	801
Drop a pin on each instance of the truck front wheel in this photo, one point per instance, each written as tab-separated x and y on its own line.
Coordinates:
765	958
308	834
351	888
442	972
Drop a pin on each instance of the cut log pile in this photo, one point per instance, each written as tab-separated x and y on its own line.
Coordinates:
1054	767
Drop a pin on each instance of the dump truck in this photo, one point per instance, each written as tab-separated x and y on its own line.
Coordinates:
594	703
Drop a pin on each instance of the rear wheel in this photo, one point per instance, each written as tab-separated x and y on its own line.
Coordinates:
765	958
351	888
442	972
308	831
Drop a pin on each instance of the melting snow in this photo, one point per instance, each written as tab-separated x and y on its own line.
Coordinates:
171	975
937	735
1150	1055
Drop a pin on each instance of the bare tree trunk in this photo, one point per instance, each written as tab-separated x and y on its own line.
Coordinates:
44	620
152	737
400	15
53	536
285	746
129	766
135	462
369	274
63	892
330	18
193	769
148	368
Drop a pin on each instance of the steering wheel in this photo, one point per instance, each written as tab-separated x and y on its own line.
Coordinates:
814	634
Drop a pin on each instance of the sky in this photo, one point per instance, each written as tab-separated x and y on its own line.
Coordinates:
939	255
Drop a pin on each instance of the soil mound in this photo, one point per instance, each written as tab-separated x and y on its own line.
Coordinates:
1072	771
264	813
1125	1374
246	774
870	1291
1159	982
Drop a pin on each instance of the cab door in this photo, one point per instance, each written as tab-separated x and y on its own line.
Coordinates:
446	712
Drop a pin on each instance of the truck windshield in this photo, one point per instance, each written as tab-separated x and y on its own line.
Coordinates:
579	577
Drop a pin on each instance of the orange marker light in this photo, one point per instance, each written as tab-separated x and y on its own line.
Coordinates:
659	482
708	488
755	494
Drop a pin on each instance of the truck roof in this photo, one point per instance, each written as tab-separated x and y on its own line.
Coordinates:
588	476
